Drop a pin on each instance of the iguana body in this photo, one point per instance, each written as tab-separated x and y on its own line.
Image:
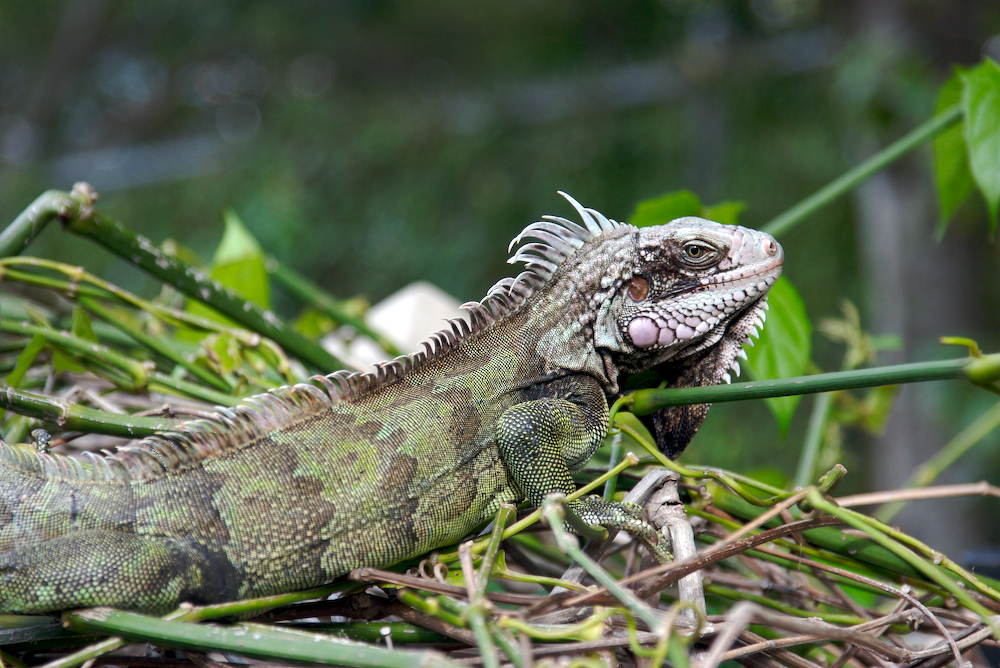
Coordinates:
298	486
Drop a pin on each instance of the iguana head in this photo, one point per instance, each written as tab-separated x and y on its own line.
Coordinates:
681	298
690	284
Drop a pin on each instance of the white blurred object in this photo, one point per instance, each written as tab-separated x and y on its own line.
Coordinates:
406	318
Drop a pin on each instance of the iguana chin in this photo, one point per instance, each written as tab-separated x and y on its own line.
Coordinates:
300	485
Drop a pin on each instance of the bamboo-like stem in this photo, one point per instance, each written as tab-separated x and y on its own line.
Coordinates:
645	402
317	297
814	439
853	177
48	206
256	639
926	473
154	344
77	214
73	417
139	374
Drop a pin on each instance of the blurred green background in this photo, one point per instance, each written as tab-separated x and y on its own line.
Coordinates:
370	143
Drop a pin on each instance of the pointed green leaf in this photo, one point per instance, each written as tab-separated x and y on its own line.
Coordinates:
784	346
951	160
663	209
981	98
239	263
81	325
63	362
25	360
726	213
237	242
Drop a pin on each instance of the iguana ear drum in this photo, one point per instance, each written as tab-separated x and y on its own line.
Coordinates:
645	333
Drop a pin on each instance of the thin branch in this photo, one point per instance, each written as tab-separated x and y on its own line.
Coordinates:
645	402
847	181
981	488
74	417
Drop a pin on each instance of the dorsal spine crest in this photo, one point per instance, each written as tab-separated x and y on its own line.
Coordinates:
231	429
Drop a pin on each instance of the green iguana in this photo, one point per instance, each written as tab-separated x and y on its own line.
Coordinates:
298	486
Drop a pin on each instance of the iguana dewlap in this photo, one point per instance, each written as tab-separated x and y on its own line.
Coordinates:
300	485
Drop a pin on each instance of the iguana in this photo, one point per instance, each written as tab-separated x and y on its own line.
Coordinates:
298	486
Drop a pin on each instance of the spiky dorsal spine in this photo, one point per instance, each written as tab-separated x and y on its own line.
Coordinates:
231	429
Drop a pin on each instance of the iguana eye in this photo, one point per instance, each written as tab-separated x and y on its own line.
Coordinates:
694	251
697	253
638	288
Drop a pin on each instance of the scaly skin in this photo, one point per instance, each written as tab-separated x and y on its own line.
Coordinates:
301	485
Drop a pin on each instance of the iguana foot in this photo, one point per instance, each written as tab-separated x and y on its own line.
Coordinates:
618	516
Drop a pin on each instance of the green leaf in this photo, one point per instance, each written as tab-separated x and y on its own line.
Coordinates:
314	324
223	351
726	213
81	325
784	346
25	360
239	263
981	98
663	209
951	160
679	204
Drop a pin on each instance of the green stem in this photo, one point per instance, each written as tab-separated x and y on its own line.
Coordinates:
713	474
91	350
555	513
927	472
649	401
929	571
254	639
615	460
814	438
315	296
139	376
78	276
504	513
161	382
847	181
154	344
831	617
49	205
73	417
30	278
197	284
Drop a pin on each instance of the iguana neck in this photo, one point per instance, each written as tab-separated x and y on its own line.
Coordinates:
567	309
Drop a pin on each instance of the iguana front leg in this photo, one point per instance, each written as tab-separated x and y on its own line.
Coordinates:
542	440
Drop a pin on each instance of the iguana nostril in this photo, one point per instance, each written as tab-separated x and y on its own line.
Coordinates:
771	247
